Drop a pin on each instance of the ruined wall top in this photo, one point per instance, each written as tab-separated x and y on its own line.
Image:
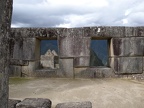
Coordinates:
94	32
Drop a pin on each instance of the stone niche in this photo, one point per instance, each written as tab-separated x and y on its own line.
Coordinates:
125	51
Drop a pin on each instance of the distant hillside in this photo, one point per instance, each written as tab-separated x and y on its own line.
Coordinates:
94	59
100	47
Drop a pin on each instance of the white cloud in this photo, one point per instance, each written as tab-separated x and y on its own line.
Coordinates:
127	12
125	21
76	13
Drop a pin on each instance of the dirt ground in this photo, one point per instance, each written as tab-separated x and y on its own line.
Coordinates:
103	93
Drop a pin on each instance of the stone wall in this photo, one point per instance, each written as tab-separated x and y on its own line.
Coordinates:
126	52
5	22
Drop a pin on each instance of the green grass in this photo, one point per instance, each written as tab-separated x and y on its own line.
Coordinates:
18	80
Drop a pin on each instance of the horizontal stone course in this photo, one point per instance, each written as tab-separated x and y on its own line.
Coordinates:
94	72
133	46
12	103
107	32
98	31
34	103
127	65
19	62
86	104
36	32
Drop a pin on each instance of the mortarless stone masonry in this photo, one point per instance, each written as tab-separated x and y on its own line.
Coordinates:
20	51
126	52
5	22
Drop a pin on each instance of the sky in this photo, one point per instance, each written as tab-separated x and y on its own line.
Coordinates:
77	13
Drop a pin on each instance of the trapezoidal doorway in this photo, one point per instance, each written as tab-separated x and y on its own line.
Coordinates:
99	53
49	56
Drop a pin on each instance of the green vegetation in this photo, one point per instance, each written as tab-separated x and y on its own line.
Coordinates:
18	80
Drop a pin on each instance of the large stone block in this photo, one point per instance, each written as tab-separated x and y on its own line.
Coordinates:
66	47
84	73
134	31
49	73
115	46
66	65
74	43
127	65
41	33
133	46
131	31
103	72
140	31
75	32
34	103
97	72
47	33
81	46
12	103
107	32
30	69
18	49
82	61
86	104
29	47
16	71
26	49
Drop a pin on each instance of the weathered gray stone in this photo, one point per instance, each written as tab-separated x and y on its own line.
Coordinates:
103	72
86	104
49	73
66	66
34	103
19	62
41	33
133	46
30	69
97	72
82	61
5	22
66	46
75	43
81	46
12	103
84	73
140	31
75	32
131	31
115	46
107	32
17	50
26	49
15	71
127	65
87	32
29	47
